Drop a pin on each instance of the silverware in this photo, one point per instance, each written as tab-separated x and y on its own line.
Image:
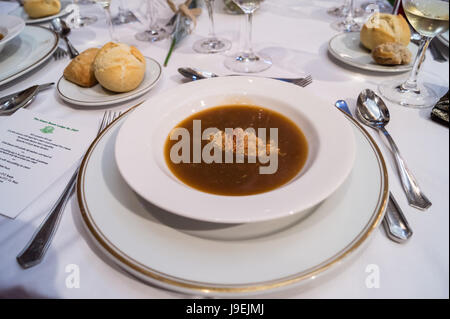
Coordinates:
395	223
35	250
195	74
372	111
13	102
60	53
63	31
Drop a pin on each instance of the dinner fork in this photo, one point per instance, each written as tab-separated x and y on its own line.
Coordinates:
35	250
59	54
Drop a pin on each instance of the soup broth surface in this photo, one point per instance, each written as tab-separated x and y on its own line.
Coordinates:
241	179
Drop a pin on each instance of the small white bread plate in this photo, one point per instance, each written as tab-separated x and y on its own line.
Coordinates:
20	12
32	47
10	27
98	96
347	48
141	141
142	238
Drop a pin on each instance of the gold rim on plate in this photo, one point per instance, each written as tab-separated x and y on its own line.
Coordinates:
202	287
37	63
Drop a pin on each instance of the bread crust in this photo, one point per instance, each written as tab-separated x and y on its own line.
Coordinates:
119	67
391	54
81	69
385	28
41	8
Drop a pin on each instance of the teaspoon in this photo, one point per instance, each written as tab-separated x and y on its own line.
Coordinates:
394	222
373	112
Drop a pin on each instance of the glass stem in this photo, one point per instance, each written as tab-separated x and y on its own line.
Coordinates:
411	83
210	7
109	22
121	7
351	9
248	49
151	15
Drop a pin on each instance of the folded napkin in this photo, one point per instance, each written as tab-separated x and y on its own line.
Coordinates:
440	111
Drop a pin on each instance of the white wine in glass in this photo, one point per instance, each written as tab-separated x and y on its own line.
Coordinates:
429	18
247	61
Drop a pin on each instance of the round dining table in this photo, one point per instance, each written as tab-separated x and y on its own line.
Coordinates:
295	33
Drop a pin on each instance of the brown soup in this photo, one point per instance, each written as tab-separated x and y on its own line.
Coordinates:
290	149
1	36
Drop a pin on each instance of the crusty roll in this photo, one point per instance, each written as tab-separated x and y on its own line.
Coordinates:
119	67
41	8
391	54
385	28
81	69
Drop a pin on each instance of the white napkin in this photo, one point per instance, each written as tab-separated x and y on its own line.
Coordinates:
7	6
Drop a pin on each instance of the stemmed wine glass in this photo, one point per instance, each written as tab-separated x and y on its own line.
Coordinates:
341	11
154	32
106	4
247	61
212	44
82	21
349	23
429	18
124	16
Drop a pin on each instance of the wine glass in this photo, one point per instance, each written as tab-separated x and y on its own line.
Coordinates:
247	61
382	5
429	18
124	16
80	20
154	32
106	4
342	10
212	44
349	23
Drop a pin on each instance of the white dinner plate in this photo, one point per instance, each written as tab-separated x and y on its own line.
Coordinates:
97	95
143	239
20	12
347	48
141	142
27	51
10	27
444	38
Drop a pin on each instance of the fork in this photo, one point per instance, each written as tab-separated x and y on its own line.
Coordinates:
35	250
60	53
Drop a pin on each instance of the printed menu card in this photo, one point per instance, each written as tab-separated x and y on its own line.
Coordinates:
34	152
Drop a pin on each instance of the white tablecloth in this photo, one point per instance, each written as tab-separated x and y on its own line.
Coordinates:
295	33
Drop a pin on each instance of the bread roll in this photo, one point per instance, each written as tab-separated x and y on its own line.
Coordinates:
385	28
81	70
391	54
41	8
119	67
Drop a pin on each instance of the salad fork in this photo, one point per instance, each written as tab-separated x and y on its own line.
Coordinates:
35	250
60	53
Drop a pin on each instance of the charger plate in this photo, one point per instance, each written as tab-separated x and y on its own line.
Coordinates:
133	234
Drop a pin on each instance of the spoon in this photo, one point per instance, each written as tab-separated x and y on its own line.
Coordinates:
63	31
372	111
12	102
394	222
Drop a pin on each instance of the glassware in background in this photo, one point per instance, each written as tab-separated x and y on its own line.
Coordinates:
124	16
80	20
382	5
342	10
231	7
212	44
349	23
429	18
106	5
154	32
247	61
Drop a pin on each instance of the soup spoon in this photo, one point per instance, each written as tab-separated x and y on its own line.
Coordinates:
373	112
394	222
